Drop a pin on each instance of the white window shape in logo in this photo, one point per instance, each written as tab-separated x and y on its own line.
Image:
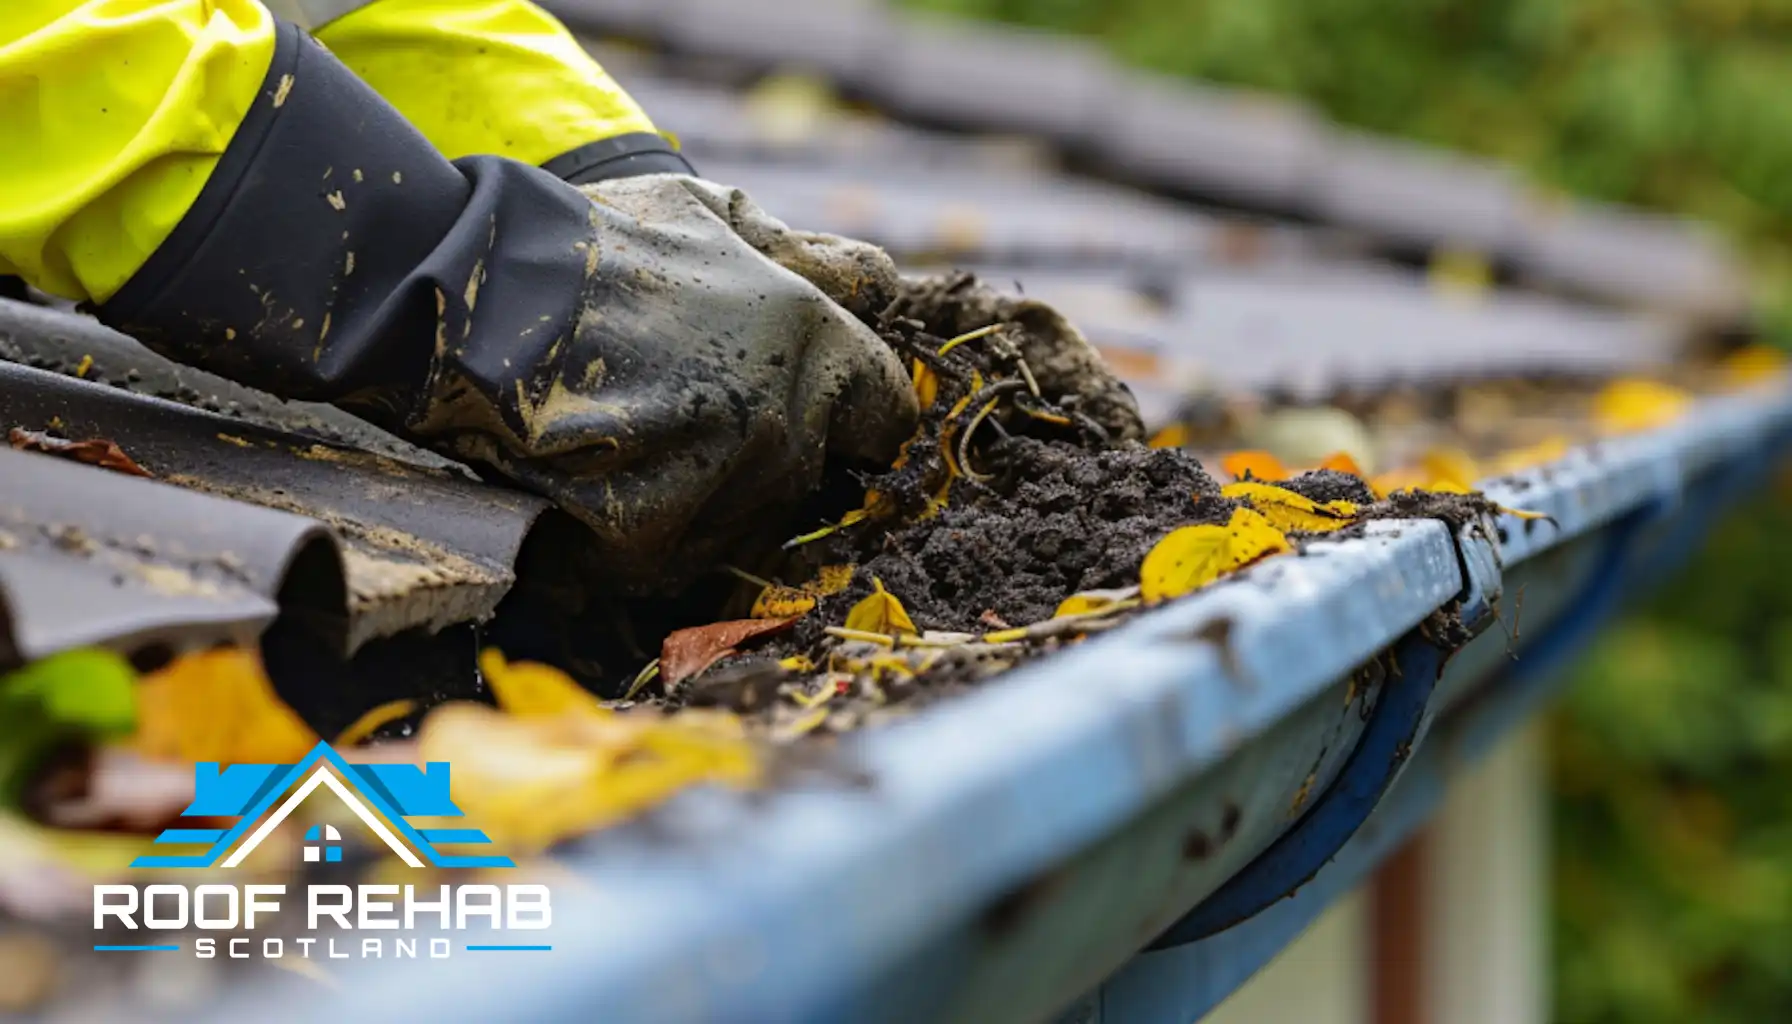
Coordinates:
328	853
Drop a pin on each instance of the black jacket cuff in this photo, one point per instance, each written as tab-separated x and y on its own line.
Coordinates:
622	156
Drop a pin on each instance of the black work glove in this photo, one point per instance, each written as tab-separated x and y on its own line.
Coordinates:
625	351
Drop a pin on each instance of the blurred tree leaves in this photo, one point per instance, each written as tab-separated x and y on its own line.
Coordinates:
1673	809
1683	105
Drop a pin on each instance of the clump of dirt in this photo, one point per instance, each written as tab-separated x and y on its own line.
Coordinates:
1066	367
1323	485
1056	518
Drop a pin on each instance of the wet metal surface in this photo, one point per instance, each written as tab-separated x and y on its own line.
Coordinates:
420	547
90	556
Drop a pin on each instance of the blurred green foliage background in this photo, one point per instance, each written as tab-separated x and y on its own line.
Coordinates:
1673	750
1683	105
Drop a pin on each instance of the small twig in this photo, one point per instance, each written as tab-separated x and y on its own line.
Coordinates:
1066	625
735	570
964	440
642	678
1027	372
981	332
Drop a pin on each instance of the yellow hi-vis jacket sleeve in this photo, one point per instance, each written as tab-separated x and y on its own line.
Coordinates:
489	77
115	113
118	110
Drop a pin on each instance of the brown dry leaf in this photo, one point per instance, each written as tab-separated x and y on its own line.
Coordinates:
880	612
1634	403
533	690
530	782
1258	465
96	452
1288	511
217	705
1194	556
373	721
1449	466
1343	462
687	652
1753	364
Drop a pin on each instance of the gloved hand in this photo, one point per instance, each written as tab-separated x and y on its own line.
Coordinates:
691	408
626	350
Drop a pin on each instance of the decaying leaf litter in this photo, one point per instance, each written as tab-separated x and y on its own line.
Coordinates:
1023	516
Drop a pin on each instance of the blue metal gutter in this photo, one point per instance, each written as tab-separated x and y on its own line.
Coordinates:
1021	844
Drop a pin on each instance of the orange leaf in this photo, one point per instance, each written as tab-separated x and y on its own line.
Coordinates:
687	652
1343	463
96	452
1258	465
1450	466
217	705
1173	436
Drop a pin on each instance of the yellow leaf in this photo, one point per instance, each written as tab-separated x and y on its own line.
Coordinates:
880	612
1753	364
1460	272
1634	404
530	782
1090	601
1257	465
1447	487
1173	436
1342	462
1194	556
1449	465
796	663
531	690
373	720
776	602
217	705
830	579
1548	450
780	602
927	384
1288	511
937	503
856	516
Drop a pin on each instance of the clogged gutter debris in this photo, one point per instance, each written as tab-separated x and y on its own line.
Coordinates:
1013	524
1027	514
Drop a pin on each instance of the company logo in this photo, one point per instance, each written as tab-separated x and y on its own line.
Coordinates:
261	797
378	794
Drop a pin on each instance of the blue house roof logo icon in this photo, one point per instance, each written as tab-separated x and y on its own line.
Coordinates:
261	796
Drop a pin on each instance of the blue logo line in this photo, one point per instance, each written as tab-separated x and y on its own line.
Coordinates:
478	949
384	787
136	949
